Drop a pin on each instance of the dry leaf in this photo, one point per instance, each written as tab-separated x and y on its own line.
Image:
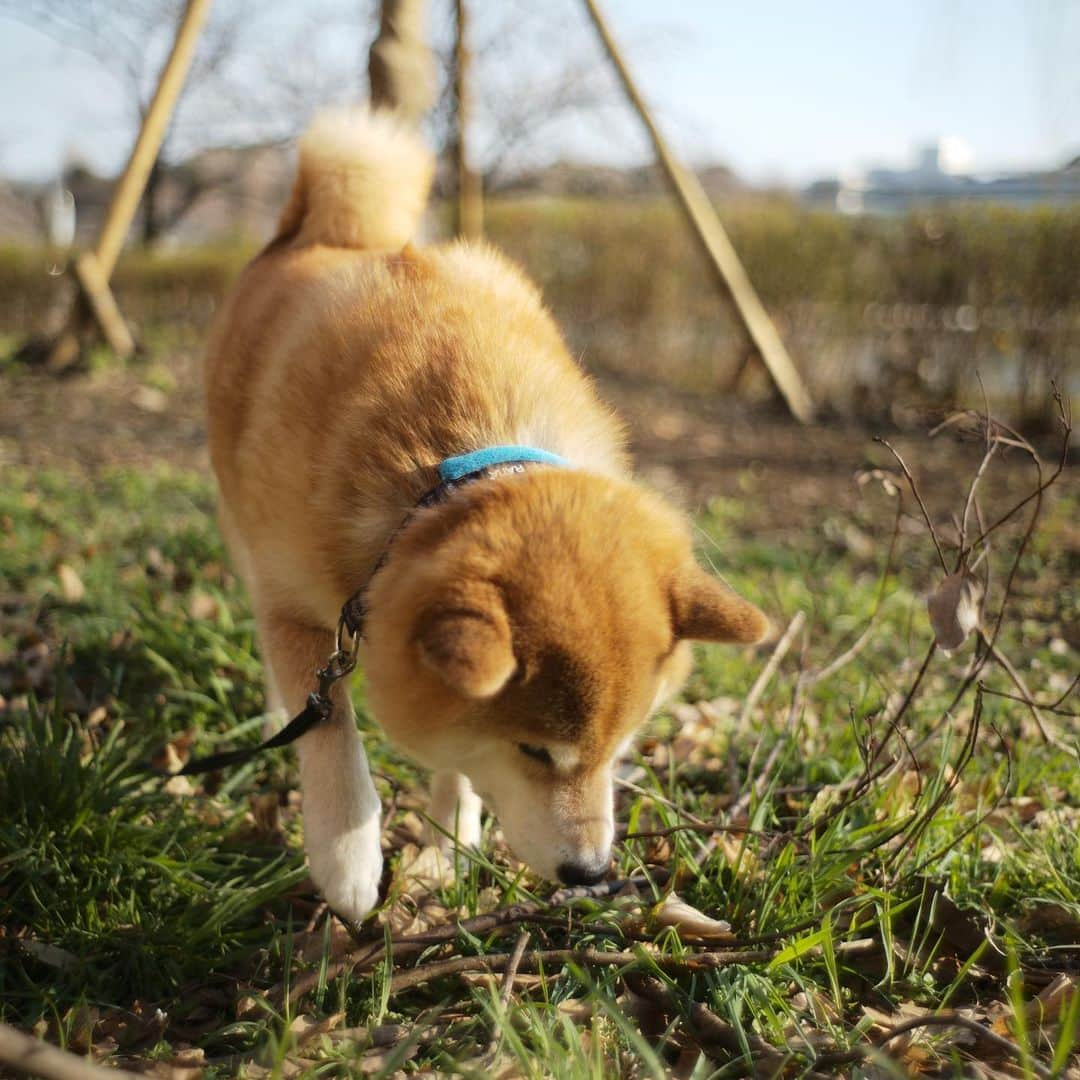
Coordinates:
674	911
423	870
577	1010
304	1028
179	787
266	810
173	756
71	586
150	399
203	606
80	1023
955	609
50	955
1053	1000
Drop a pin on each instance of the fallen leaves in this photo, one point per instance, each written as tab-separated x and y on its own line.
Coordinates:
676	912
72	588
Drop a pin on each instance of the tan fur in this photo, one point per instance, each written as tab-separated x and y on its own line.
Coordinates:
548	608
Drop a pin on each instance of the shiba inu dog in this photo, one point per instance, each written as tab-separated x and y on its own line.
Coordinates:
518	628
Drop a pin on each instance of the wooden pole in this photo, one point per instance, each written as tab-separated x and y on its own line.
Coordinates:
93	270
730	273
132	183
95	288
470	192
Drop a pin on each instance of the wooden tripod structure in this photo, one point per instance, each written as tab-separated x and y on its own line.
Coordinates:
402	78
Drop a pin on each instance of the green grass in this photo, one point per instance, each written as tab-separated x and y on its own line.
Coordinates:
144	920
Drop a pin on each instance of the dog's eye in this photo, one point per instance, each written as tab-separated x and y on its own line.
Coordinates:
537	753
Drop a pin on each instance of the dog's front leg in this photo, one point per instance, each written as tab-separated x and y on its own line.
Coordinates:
454	811
342	812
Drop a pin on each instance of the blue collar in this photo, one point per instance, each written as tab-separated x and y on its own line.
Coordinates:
454	472
457	468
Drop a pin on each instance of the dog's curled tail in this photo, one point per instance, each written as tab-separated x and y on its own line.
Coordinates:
362	182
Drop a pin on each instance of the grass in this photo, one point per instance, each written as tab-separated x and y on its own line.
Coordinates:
151	921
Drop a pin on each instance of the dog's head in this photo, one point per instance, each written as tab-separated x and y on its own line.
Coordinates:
521	633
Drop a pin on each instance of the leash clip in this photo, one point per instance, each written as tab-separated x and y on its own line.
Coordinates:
341	661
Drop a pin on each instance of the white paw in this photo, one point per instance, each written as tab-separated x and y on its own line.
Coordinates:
348	870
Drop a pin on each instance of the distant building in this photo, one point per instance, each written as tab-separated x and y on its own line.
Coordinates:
936	178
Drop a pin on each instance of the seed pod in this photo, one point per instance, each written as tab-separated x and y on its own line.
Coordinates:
955	608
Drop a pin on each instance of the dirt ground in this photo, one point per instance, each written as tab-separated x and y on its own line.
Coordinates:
691	447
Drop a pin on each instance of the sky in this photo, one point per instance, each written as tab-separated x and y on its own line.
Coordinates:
782	91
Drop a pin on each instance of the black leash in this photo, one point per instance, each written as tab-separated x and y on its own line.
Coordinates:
350	629
318	708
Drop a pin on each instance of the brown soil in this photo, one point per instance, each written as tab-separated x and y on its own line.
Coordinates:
696	448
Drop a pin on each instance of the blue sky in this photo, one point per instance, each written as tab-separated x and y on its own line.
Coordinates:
781	90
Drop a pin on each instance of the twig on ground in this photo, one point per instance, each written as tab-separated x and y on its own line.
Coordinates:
712	1035
512	967
549	958
507	989
955	1020
798	621
27	1056
407	945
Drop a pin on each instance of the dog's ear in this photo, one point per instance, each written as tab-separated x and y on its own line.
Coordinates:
466	638
705	609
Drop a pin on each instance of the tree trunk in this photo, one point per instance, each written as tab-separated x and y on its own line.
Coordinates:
151	215
400	67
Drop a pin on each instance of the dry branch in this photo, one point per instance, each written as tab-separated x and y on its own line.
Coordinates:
547	959
26	1056
798	621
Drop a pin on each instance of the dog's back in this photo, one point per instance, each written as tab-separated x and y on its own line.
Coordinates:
347	364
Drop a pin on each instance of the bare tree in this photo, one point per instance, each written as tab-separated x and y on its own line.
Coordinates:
260	71
536	70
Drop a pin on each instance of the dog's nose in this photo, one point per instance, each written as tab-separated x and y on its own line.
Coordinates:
571	873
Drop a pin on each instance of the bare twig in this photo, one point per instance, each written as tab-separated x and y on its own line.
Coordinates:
556	958
956	1021
26	1056
918	498
1065	420
798	621
713	1036
1052	707
374	951
507	988
1017	681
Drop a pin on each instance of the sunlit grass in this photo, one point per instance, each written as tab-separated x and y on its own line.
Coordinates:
120	895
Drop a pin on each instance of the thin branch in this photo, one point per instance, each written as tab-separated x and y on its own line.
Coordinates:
711	1034
1066	423
957	1021
374	951
918	498
542	960
1053	707
25	1055
507	989
798	621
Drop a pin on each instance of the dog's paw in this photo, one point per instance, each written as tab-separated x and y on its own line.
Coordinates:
347	871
